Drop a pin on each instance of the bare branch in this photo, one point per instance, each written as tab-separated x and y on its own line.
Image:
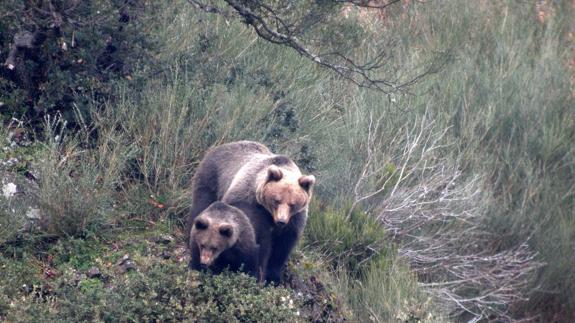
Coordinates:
273	23
370	4
206	7
435	214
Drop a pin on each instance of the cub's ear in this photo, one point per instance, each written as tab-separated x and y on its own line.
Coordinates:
226	230
274	173
201	224
306	182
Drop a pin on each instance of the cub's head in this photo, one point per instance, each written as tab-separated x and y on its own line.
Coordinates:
214	231
285	192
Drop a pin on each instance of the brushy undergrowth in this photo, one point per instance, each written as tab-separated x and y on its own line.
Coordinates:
387	292
508	101
78	179
344	241
56	286
368	276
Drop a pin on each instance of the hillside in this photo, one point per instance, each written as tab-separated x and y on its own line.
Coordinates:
445	196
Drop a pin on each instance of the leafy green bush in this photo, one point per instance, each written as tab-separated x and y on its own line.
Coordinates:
164	292
349	241
372	281
79	254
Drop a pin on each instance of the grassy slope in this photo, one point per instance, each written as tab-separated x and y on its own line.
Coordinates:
501	111
217	84
508	100
53	282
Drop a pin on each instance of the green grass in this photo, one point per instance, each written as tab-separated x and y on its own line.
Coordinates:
387	292
367	274
78	178
507	97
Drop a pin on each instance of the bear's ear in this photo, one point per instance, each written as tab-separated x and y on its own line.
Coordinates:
226	230
274	173
307	182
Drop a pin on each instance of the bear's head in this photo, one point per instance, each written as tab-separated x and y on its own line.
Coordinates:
214	234
284	193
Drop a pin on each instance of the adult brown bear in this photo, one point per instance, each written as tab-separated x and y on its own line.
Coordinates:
268	188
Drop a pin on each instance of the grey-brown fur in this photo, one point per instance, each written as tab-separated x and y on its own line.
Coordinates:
236	250
233	173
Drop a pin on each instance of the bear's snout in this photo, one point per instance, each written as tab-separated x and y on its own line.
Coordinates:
282	215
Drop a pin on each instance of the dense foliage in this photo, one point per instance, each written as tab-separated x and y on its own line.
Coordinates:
66	287
63	55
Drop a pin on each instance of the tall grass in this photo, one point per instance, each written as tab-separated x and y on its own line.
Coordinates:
371	280
387	292
10	221
507	97
79	177
495	124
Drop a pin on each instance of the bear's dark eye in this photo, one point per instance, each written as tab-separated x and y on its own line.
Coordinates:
200	225
226	232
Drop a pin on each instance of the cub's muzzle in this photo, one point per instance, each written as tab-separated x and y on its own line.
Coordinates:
206	257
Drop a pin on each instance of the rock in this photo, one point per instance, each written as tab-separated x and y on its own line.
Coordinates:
33	213
9	190
20	196
94	272
165	254
126	264
164	239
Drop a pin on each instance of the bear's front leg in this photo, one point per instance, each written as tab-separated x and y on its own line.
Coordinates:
282	246
194	258
263	258
252	263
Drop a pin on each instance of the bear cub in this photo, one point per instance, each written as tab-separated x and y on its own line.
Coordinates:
222	237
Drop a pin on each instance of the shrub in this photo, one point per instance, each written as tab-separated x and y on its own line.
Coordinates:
77	183
345	241
75	50
369	277
164	292
386	292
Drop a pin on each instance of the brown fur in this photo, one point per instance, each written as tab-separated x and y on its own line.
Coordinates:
222	237
284	196
268	188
